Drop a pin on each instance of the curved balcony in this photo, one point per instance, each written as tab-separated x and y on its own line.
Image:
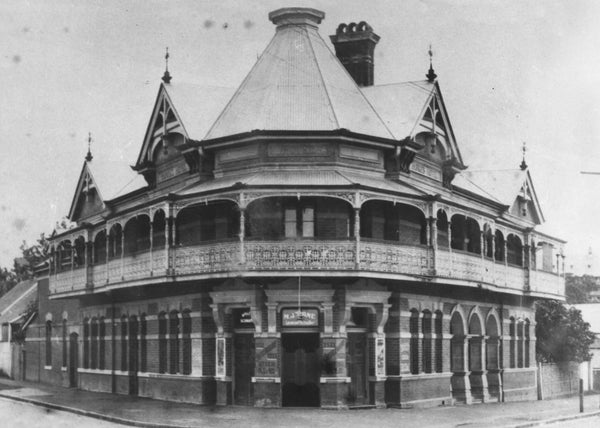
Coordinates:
297	236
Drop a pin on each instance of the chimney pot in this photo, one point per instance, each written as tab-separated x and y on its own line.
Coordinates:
355	48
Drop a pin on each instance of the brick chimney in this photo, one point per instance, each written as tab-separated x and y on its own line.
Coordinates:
355	46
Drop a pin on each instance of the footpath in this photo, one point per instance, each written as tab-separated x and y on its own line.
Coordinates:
145	412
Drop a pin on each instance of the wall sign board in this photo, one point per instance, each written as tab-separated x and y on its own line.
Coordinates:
299	318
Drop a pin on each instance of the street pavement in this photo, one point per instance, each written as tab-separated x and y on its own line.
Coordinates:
147	412
18	414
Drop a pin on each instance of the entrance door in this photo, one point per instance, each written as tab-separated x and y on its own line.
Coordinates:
357	367
300	369
73	359
133	356
243	369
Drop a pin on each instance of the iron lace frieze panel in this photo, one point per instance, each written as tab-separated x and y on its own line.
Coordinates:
300	255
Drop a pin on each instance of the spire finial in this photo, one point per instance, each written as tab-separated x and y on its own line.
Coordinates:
166	76
524	150
89	156
431	76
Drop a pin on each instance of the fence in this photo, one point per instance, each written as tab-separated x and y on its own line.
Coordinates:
557	380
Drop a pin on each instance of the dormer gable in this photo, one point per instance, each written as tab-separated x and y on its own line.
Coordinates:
160	158
526	205
87	200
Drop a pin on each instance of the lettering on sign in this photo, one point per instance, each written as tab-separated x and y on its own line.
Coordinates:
242	318
300	318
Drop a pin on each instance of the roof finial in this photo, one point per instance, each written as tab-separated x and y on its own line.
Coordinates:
89	156
524	150
431	76
166	76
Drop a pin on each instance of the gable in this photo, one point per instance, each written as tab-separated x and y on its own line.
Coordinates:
434	132
164	121
87	200
525	205
160	158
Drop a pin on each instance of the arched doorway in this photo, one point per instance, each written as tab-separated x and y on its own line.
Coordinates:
461	387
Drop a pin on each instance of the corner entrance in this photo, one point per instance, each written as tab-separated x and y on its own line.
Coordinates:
243	369
301	370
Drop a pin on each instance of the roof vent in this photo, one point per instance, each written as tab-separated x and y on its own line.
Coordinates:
355	46
296	16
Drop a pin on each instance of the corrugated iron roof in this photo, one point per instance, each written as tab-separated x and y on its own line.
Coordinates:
198	106
114	178
302	178
501	185
400	105
14	303
298	84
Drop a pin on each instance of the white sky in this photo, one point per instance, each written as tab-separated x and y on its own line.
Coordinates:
510	71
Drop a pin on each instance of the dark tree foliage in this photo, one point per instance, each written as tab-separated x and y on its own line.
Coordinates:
32	255
578	288
562	335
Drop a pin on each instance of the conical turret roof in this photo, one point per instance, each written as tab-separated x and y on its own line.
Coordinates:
298	84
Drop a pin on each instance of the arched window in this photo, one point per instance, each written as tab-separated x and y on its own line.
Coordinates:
438	325
427	341
491	350
512	333
86	343
133	344
162	343
414	341
64	342
457	345
520	340
123	343
143	344
174	342
48	343
527	342
101	343
475	343
94	334
187	342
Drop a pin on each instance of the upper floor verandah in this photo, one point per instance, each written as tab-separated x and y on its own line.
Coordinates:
345	234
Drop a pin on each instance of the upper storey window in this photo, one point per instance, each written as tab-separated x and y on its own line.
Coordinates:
300	221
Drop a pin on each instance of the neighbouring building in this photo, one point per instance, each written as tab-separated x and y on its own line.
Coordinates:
309	239
17	310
